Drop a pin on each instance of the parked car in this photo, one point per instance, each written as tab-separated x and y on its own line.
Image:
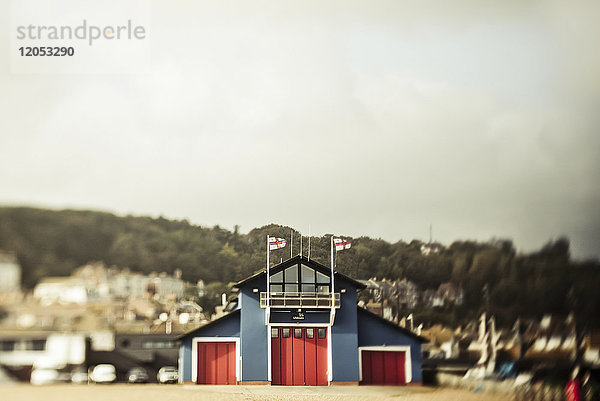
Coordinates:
41	376
79	376
167	374
137	375
103	373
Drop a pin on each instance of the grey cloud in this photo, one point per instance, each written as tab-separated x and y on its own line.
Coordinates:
373	118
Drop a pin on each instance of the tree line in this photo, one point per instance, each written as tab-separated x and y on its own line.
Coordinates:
492	274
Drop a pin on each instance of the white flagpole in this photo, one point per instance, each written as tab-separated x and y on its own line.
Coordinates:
332	273
335	258
267	308
291	243
300	244
268	251
309	242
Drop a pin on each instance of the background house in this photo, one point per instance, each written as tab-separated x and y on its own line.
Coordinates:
10	273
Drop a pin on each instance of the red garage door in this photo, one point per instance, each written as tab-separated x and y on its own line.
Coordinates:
383	367
299	356
216	363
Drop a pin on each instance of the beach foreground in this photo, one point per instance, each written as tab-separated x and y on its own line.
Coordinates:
155	392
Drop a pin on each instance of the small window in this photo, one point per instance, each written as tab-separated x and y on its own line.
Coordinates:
274	332
322	278
323	289
38	345
7	345
275	288
310	333
322	333
30	345
308	274
291	288
308	288
297	333
291	274
276	278
158	344
285	333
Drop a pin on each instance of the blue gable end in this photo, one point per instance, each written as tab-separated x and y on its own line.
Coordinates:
376	331
226	326
255	335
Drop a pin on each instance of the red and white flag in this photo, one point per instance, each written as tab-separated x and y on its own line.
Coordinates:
276	243
341	244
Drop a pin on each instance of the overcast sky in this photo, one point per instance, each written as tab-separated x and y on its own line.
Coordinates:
373	118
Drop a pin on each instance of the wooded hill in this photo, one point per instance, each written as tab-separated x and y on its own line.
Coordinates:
54	243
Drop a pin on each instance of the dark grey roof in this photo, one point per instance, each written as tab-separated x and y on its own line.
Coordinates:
211	323
295	260
392	324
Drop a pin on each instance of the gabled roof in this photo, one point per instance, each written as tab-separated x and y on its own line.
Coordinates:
305	261
231	314
393	325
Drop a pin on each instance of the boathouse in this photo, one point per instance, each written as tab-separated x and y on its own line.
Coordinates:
300	333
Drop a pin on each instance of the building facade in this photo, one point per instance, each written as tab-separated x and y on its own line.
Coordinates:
304	330
10	273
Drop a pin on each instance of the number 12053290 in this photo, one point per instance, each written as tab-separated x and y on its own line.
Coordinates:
46	51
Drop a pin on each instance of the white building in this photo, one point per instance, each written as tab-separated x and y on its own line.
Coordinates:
167	286
64	290
135	285
10	273
127	284
41	349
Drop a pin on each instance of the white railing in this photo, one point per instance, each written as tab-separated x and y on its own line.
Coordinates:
299	300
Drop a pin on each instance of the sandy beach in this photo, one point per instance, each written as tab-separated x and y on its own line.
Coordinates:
125	392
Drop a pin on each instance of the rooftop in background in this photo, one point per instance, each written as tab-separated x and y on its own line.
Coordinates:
7	257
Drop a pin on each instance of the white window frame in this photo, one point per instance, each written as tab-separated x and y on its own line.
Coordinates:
238	358
396	348
329	355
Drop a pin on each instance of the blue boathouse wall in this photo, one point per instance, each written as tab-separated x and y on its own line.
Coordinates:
374	331
254	339
227	326
344	338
